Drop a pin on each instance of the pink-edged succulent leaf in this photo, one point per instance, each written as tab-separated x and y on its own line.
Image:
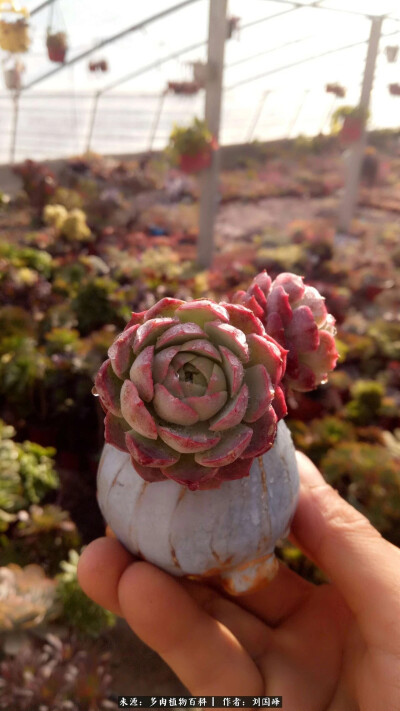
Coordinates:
292	284
233	412
275	328
115	429
217	381
278	302
264	433
189	473
187	440
201	312
237	470
264	281
244	319
149	452
120	352
316	303
267	353
135	411
149	474
250	302
173	384
233	369
231	446
207	406
178	334
227	336
148	333
201	346
136	318
302	334
165	308
279	403
141	373
171	409
259	295
261	392
108	388
162	361
324	358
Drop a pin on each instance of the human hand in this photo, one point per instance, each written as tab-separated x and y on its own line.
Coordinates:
334	647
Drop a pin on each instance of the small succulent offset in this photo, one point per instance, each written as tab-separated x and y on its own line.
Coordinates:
295	315
193	391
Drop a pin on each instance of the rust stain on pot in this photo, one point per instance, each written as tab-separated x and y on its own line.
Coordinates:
173	555
263	475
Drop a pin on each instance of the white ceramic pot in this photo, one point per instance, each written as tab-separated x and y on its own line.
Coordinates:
230	531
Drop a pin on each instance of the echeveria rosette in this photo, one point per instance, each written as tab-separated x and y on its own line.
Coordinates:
192	391
295	315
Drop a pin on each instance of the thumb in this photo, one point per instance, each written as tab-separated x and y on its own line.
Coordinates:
363	566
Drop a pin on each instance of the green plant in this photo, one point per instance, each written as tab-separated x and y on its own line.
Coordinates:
342	112
368	476
27	471
189	140
95	304
365	405
79	612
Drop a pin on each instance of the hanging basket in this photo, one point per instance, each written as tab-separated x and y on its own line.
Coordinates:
57	46
14	36
232	27
336	89
184	88
98	67
394	89
199	161
351	130
13	77
392	53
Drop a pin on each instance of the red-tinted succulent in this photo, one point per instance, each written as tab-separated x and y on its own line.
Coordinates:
192	391
295	315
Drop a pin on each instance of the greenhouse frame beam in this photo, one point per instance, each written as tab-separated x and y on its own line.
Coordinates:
303	61
175	55
40	7
318	6
109	40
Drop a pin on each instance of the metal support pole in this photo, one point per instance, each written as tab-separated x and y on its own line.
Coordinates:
257	115
156	119
92	121
349	200
14	128
209	177
298	112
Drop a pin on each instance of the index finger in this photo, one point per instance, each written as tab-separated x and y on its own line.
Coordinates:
363	566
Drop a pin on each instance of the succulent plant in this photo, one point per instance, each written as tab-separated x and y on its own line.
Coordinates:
295	315
192	391
79	612
27	597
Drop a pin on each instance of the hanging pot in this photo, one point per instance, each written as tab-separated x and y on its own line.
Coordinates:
186	88
14	36
232	26
351	130
57	46
12	77
336	89
391	53
199	161
394	89
230	531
